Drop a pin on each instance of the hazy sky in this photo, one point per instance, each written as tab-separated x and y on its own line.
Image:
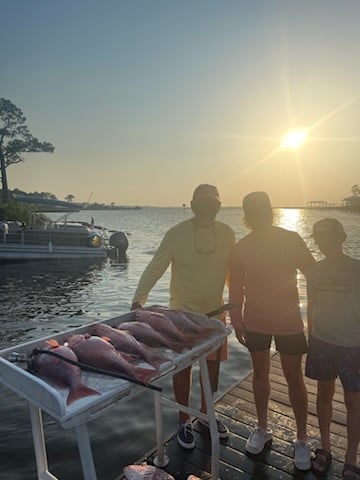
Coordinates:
145	99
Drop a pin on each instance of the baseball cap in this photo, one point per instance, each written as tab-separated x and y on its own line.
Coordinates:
206	191
327	228
256	202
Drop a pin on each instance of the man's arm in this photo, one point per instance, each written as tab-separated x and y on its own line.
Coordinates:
153	272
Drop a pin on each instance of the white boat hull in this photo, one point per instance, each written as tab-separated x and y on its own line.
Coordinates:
59	240
13	252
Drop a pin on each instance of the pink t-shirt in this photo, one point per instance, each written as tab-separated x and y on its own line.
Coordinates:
263	281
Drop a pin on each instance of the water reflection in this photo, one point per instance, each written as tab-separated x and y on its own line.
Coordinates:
32	293
288	218
36	300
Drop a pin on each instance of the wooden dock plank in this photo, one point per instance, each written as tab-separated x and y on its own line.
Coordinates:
236	408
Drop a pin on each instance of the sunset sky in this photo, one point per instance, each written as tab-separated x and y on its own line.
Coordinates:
145	99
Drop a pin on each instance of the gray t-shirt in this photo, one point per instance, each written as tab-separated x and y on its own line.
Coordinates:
334	290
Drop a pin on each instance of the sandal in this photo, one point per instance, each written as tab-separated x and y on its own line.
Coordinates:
350	472
320	463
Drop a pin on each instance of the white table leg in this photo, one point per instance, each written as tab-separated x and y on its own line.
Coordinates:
214	434
161	459
86	457
39	444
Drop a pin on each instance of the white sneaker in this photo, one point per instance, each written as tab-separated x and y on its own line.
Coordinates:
257	440
302	455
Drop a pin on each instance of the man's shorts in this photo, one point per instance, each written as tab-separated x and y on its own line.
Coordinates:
287	344
326	361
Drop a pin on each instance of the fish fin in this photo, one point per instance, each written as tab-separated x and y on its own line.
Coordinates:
128	356
80	392
53	343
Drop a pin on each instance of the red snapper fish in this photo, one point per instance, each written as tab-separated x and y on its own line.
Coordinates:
179	319
124	341
99	353
165	326
146	472
146	334
61	373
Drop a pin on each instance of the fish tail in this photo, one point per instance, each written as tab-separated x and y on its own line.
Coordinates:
145	375
80	392
156	360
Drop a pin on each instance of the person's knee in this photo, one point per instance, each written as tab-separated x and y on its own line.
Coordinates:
324	398
294	377
261	376
352	400
325	392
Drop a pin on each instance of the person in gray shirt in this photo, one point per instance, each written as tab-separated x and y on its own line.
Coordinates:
334	345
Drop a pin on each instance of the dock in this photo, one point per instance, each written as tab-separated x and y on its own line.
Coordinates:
237	410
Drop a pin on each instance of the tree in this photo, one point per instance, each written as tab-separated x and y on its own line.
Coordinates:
15	140
355	190
17	191
69	198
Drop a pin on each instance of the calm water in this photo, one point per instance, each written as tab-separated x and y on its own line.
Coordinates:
37	300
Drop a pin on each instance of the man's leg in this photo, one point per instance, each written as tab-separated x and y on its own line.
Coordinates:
291	365
181	385
213	368
261	384
352	402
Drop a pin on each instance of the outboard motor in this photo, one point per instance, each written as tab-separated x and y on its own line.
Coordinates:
120	241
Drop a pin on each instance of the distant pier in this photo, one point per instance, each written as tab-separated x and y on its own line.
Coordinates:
321	204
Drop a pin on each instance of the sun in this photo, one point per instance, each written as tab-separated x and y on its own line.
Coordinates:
294	139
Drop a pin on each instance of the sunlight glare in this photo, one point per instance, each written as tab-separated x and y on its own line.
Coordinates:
289	218
294	139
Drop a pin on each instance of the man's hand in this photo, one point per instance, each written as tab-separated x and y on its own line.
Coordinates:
136	305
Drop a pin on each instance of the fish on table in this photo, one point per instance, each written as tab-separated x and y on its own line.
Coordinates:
99	353
147	334
162	324
124	341
181	320
61	373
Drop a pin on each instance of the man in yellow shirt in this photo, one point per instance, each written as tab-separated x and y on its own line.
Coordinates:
198	251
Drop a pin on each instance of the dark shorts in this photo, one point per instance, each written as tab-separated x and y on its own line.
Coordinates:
288	344
326	361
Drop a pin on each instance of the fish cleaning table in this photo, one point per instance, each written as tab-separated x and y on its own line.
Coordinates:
41	396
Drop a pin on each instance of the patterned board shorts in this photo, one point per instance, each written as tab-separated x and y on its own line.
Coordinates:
326	361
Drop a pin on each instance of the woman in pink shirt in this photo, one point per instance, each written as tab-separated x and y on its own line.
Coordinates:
263	285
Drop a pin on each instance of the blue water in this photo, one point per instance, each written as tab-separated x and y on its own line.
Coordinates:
38	300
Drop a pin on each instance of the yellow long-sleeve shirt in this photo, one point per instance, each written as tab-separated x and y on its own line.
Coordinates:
199	259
